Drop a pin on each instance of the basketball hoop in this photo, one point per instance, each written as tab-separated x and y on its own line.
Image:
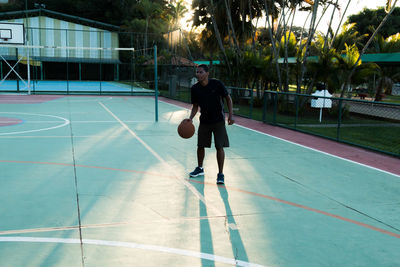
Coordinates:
5	34
12	33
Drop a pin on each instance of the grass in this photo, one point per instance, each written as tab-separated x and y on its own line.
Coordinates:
383	138
392	99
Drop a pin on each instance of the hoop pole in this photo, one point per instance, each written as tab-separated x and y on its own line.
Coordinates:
155	82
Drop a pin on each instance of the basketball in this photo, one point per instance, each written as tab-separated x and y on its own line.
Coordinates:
186	129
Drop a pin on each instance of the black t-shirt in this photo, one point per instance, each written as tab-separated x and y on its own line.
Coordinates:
210	99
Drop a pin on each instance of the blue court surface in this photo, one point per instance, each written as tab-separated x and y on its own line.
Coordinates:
95	181
66	86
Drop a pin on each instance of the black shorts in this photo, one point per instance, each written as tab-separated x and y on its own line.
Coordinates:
220	136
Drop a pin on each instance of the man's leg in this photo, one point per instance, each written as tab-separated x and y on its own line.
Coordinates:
220	159
200	156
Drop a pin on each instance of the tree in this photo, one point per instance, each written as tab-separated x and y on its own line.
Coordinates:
388	74
389	45
115	12
176	11
350	63
369	17
231	17
382	23
348	36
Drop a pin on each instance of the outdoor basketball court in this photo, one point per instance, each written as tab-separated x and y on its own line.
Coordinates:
95	181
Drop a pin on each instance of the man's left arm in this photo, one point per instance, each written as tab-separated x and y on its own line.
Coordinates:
228	100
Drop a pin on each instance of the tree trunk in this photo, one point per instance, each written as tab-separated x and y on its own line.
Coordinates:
230	24
298	65
253	45
329	27
146	30
340	23
218	35
311	34
275	55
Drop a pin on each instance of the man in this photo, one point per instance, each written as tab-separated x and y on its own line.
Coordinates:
208	94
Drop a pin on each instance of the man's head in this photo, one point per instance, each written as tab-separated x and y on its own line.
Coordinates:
202	74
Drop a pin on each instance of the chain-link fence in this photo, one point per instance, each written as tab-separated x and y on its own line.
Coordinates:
79	61
371	125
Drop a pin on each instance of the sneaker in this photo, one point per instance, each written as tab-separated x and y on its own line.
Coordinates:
198	171
220	178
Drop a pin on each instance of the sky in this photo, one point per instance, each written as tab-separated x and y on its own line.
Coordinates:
355	7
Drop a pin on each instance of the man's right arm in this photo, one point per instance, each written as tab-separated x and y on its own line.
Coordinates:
195	108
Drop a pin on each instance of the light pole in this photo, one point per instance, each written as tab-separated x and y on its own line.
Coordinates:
40	6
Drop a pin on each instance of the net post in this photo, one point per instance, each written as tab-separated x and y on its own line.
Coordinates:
29	71
155	82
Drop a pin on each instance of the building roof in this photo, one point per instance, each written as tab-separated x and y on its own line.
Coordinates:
207	62
57	15
381	58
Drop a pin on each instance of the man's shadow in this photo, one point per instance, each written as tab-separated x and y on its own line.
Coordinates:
206	240
238	248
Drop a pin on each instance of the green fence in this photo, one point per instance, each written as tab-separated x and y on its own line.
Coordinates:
367	124
68	61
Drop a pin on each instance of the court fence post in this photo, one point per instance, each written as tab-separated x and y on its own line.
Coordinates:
251	102
275	94
339	119
264	114
297	111
155	82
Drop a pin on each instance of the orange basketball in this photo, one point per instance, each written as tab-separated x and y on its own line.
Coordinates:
186	129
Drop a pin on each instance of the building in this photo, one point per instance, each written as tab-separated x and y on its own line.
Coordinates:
65	47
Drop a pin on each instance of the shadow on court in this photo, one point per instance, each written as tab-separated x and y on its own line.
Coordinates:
238	248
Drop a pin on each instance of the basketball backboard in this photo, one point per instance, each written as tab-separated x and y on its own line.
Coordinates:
12	33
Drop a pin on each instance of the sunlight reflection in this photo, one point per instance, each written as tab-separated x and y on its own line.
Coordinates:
175	117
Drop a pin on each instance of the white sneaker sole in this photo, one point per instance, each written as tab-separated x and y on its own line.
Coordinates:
195	175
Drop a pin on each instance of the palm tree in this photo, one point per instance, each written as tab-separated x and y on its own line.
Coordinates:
350	63
349	35
149	9
387	75
177	11
389	9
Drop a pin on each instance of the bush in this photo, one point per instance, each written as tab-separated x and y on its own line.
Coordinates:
334	111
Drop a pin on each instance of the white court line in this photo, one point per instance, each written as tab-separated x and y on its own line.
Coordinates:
25	122
310	148
34	101
66	122
58	136
160	159
181	252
